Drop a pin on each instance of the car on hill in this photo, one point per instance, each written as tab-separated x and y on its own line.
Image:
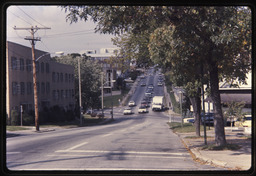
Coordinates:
131	103
143	109
127	111
247	121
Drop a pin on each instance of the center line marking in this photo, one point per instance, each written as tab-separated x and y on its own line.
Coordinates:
107	135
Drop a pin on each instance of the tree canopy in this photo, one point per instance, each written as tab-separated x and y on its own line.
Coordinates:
199	44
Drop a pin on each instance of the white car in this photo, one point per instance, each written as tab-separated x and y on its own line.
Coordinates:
143	109
131	103
127	111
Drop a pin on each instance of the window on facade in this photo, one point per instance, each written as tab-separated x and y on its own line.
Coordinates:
43	88
28	65
66	94
37	67
61	77
69	77
47	87
22	88
42	67
66	77
62	94
14	63
14	88
72	77
29	88
58	95
21	64
54	94
47	68
53	76
58	77
38	87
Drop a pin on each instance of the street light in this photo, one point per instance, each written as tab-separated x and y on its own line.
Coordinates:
35	86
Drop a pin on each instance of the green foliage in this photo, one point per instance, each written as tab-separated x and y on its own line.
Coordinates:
234	109
90	78
15	120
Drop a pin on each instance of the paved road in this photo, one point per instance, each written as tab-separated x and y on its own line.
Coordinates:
132	142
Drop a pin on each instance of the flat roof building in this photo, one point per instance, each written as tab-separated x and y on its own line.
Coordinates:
55	81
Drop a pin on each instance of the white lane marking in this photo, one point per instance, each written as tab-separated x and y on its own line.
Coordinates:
125	152
109	134
76	146
10	153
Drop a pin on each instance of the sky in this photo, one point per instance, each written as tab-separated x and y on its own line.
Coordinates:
63	36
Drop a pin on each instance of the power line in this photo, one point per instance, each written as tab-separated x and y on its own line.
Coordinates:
19	17
70	33
30	16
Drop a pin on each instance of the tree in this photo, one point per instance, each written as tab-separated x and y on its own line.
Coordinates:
90	78
218	38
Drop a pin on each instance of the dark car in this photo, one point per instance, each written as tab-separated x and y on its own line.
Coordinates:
208	118
144	103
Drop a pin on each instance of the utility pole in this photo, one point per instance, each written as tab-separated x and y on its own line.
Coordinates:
32	40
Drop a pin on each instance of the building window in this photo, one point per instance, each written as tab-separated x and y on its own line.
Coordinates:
61	77
28	65
58	77
66	77
14	88
42	87
37	67
54	94
42	67
69	77
14	63
72	77
53	76
47	87
38	87
22	88
66	94
47	68
62	94
29	88
21	64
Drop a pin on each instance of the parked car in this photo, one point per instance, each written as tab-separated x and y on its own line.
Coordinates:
142	109
131	103
209	118
143	84
151	86
100	115
189	120
247	121
127	111
160	84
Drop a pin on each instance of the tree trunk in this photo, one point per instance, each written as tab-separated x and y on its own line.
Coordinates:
196	103
220	138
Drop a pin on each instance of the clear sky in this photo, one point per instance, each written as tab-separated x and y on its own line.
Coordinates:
63	36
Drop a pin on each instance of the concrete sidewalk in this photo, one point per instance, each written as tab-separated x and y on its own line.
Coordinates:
239	159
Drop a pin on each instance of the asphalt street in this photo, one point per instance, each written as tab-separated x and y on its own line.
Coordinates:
130	142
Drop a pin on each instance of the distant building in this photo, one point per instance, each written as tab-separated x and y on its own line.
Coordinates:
228	94
55	80
110	70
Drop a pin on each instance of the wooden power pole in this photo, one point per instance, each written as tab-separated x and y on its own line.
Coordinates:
32	40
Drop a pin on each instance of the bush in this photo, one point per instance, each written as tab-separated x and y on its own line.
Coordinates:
15	120
28	118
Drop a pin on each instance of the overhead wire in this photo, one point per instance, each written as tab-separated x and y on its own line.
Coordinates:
30	16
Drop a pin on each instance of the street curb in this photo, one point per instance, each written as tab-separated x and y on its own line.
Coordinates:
196	155
202	158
